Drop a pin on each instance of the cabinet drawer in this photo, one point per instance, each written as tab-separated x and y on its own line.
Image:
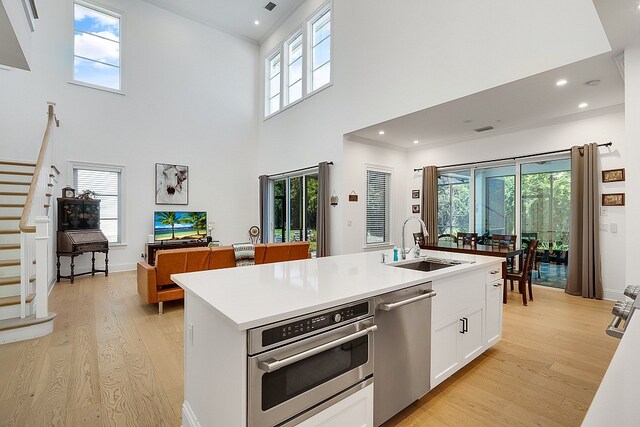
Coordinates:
457	293
493	273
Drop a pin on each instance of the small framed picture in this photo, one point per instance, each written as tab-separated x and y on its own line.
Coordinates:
415	208
613	199
415	194
613	175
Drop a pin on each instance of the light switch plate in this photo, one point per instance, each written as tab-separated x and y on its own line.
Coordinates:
614	227
603	211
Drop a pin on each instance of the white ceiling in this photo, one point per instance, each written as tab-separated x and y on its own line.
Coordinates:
233	16
529	102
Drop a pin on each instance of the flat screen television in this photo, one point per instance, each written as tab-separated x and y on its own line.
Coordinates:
179	225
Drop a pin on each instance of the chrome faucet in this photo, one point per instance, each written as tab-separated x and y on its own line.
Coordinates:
403	253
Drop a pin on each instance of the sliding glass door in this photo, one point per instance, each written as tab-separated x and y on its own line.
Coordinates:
545	213
495	204
294	207
454	190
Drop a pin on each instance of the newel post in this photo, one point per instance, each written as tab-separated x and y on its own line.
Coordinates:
42	266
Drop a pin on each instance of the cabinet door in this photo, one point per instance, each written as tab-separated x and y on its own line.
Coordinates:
493	313
472	341
91	217
445	342
355	410
70	214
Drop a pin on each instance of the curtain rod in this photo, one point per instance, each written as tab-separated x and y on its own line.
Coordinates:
296	170
524	156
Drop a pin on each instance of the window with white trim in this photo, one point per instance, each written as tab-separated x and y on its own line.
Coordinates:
299	65
294	68
320	51
96	46
106	184
378	207
273	84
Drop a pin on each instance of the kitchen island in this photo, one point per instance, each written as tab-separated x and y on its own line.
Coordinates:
222	306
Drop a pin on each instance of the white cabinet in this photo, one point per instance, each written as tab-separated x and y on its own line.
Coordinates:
466	320
455	342
355	410
493	314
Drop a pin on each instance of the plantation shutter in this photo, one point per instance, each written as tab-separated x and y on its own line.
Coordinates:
106	186
377	208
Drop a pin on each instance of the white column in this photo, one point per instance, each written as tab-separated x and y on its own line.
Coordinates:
632	154
42	263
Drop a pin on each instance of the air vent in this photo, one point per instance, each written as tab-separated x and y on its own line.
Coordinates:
270	6
484	129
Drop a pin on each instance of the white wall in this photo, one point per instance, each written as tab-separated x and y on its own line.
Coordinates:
390	60
190	99
600	129
357	157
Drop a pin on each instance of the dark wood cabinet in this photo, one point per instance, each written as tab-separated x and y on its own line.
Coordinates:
152	248
77	214
79	232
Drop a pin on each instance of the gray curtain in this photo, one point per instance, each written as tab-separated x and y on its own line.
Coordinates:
430	202
585	270
264	207
322	225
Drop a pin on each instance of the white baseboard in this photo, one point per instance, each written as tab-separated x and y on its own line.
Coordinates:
26	333
188	417
613	294
113	268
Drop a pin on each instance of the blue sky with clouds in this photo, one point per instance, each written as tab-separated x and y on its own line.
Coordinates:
96	47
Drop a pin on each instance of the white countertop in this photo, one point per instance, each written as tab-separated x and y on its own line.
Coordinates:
257	295
616	401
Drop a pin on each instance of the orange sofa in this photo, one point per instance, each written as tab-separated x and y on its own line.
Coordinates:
154	281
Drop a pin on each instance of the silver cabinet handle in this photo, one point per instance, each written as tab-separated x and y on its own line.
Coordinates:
497	285
394	305
271	365
494	272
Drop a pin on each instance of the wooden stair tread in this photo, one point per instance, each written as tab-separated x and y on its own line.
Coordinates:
55	169
11	205
15	323
11	280
9	231
12	193
8	246
48	194
8	163
15	183
9	262
9	218
3	172
14	300
47	205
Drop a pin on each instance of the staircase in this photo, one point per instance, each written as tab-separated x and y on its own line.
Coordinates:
25	250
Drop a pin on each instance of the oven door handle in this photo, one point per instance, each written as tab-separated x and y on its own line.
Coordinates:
394	305
271	365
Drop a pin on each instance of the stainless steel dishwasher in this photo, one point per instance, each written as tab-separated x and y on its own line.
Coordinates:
402	349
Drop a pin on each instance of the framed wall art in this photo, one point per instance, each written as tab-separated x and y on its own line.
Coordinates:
613	199
613	175
415	208
415	194
172	184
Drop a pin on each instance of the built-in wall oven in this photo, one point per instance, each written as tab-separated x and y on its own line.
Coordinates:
299	366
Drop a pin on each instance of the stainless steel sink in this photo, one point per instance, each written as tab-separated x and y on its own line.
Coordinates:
428	264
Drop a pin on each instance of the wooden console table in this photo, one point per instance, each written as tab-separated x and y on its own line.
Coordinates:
152	248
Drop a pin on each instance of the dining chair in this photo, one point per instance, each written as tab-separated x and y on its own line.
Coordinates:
467	238
447	237
504	241
523	275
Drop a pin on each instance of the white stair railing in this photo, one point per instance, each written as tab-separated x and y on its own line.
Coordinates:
34	228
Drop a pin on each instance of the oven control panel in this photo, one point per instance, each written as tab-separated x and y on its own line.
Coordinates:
313	323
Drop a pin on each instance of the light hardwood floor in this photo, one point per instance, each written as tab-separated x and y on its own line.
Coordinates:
113	361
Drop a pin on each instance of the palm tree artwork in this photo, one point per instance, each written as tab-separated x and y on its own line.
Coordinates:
168	218
197	219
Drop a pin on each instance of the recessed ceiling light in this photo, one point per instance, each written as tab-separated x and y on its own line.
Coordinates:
468	121
592	83
583	105
416	141
256	22
561	82
381	132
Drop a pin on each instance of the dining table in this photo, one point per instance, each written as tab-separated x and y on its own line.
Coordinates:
478	249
